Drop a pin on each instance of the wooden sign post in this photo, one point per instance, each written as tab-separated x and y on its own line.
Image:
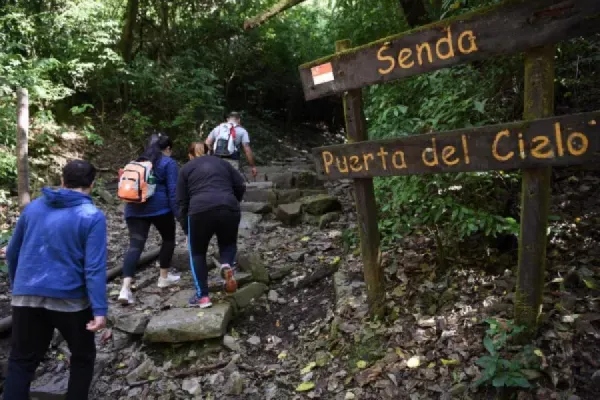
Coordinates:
534	146
356	130
535	193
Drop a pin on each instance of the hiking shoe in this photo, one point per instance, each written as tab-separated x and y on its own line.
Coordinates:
170	280
202	302
126	297
228	275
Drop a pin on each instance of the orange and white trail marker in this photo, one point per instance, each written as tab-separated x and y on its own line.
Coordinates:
322	73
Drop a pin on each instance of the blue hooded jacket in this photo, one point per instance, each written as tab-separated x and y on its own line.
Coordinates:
58	249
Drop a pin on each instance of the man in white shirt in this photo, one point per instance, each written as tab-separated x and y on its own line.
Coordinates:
239	138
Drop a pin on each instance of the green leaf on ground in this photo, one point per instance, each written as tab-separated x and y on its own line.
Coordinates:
305	387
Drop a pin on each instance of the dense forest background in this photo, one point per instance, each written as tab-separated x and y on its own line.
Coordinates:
122	68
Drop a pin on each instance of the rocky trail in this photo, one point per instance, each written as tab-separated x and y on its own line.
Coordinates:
298	326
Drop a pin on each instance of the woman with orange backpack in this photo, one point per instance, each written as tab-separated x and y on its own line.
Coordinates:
149	185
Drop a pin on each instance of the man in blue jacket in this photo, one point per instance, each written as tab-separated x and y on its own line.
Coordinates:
57	270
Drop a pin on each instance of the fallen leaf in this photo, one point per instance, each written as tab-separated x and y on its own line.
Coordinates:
538	353
336	260
308	368
60	357
282	356
361	364
305	387
121	366
200	314
305	239
590	283
400	353
413	362
114	293
450	362
431	365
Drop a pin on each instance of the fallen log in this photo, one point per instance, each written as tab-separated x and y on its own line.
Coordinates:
146	258
6	323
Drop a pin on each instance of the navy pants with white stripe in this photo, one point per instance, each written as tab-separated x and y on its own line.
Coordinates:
224	223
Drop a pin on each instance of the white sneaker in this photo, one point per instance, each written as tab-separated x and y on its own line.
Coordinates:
126	297
170	280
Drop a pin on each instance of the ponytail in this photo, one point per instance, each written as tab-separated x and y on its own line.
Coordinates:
154	152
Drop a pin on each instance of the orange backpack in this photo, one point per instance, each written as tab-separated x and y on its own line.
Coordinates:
137	183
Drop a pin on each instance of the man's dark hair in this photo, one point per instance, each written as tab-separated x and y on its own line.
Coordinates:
78	174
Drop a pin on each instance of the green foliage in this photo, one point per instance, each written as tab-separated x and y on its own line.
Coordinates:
4	238
454	206
499	371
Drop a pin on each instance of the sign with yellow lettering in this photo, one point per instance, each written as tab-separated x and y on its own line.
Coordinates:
507	28
571	139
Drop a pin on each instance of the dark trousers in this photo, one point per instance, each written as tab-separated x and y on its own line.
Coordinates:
224	223
31	336
138	234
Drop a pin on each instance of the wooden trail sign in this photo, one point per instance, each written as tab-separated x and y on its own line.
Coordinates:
571	139
507	28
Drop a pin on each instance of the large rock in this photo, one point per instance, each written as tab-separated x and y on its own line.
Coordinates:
321	204
259	185
243	297
251	263
289	214
307	180
326	219
256	207
285	180
261	195
106	196
141	372
189	324
180	299
134	323
286	196
248	223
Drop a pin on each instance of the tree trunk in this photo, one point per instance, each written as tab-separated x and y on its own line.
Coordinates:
126	44
278	8
22	146
415	12
128	29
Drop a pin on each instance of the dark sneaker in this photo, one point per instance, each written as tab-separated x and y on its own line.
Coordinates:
229	276
202	302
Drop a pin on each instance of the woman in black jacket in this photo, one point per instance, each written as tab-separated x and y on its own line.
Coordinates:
209	191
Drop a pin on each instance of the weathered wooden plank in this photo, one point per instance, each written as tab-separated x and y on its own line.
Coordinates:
535	195
507	28
563	140
366	206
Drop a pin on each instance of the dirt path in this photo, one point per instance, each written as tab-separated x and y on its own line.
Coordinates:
313	334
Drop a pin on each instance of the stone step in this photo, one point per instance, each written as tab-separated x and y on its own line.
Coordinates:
256	207
180	325
248	224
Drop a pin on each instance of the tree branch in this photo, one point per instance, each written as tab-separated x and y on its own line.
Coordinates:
278	8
